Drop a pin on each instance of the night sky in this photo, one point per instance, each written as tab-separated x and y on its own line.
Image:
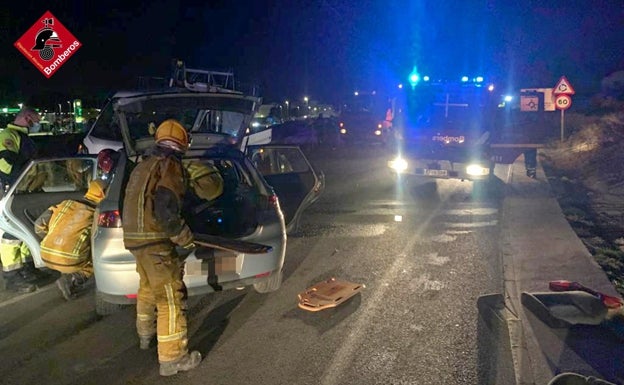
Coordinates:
317	48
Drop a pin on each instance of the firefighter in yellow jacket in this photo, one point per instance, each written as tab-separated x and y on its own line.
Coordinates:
16	149
66	244
205	180
153	226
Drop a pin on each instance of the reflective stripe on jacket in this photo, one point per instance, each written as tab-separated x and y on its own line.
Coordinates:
66	228
153	201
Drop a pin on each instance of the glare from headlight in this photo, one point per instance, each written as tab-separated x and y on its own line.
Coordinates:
476	170
398	164
377	132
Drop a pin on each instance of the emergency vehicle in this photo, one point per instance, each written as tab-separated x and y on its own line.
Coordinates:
451	130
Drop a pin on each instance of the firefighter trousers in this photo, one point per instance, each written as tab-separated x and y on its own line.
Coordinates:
13	253
161	300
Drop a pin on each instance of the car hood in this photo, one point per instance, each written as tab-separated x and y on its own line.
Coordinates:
136	141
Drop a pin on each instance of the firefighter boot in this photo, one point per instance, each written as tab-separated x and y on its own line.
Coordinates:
14	282
31	274
186	362
72	285
145	341
65	285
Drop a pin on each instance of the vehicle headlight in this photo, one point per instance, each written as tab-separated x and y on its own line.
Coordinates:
377	132
343	130
477	170
398	164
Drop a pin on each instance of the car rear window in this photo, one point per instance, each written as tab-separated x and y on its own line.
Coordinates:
107	126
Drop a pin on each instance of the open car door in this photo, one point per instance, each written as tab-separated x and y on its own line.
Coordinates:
43	183
288	171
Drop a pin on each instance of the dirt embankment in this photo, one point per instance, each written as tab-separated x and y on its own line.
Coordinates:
586	172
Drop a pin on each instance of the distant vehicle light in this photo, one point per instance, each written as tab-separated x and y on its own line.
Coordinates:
399	164
400	86
341	124
379	126
255	124
343	130
479	79
464	79
378	132
477	170
491	87
426	78
508	98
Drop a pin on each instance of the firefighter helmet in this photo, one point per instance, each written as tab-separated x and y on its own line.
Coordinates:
172	134
95	193
44	38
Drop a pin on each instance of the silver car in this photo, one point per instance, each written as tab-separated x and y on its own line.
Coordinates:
265	191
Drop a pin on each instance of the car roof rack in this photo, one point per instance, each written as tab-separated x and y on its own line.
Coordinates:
199	80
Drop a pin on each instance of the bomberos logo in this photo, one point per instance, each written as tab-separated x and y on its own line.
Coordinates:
47	44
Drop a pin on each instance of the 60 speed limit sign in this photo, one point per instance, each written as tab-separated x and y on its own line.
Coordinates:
563	102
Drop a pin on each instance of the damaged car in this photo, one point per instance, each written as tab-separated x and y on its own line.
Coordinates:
265	190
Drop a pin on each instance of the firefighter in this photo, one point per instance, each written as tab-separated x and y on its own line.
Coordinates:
153	226
65	230
204	180
16	149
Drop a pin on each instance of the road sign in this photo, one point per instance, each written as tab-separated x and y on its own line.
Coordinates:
545	100
563	87
529	103
563	101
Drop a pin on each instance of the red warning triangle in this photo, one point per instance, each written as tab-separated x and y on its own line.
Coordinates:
563	87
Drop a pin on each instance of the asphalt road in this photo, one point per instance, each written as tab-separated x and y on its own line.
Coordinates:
416	322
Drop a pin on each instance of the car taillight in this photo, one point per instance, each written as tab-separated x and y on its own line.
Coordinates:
109	219
273	201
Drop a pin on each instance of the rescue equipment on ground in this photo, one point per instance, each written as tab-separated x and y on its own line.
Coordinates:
328	294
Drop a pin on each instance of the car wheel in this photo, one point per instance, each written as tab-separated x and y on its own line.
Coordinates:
272	284
104	308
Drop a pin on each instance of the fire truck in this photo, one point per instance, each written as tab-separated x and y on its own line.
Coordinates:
454	130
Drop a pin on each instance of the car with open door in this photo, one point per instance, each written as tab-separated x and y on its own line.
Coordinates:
252	207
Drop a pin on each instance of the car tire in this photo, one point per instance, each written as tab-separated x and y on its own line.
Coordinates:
272	284
104	308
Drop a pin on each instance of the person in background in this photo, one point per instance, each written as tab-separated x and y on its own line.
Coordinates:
65	230
16	149
153	227
530	162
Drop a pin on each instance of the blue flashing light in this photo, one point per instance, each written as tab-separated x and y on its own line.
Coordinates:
414	77
464	79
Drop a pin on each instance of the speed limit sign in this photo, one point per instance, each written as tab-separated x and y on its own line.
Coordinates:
563	101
